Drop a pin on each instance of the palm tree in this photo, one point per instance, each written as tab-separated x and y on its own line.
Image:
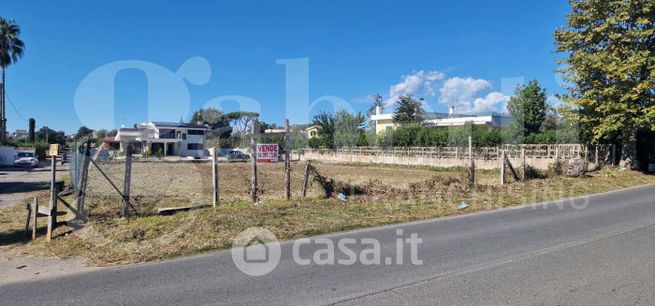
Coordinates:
11	49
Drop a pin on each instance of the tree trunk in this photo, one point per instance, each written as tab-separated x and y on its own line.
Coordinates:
3	120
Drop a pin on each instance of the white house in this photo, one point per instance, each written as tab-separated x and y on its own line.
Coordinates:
172	139
384	122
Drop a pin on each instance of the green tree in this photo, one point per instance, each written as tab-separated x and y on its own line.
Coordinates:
325	122
409	110
83	131
348	128
241	120
528	108
217	121
610	66
31	131
263	126
102	133
112	133
49	136
11	49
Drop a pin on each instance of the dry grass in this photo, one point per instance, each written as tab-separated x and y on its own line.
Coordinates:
389	194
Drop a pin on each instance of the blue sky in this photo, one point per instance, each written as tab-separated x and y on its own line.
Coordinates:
465	53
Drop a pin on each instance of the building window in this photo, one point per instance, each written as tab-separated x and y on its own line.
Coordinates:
196	132
194	146
167	134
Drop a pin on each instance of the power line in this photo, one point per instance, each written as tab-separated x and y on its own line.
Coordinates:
14	107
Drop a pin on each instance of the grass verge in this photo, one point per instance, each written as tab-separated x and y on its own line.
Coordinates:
109	240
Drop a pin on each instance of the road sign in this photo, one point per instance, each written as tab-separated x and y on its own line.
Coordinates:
267	152
54	149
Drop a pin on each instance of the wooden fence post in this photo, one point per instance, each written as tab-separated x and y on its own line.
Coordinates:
216	197
471	164
596	156
305	182
29	218
287	162
524	167
253	145
35	214
502	167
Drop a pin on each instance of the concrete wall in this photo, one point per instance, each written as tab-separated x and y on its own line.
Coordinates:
539	163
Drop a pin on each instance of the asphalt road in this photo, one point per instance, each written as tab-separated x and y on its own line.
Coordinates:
552	254
17	183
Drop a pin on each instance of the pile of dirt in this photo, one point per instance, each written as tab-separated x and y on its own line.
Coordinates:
378	189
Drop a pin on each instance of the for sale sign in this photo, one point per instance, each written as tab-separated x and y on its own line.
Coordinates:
267	153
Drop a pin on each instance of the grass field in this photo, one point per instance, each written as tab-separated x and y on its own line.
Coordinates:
386	194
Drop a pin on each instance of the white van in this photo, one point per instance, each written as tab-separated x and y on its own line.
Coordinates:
7	156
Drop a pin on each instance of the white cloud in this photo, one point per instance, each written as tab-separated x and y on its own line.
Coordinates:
494	101
555	101
461	92
417	83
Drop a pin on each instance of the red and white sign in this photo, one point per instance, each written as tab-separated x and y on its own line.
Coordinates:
267	153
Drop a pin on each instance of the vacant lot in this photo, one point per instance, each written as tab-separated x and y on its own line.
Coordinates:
190	183
383	195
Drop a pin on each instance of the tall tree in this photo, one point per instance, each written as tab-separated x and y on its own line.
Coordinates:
409	110
32	128
241	120
348	128
325	123
11	49
610	66
528	108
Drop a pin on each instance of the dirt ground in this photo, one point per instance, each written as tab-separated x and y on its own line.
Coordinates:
191	182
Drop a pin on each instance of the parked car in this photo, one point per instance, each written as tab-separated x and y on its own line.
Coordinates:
237	155
26	159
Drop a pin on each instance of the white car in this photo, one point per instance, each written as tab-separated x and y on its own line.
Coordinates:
26	159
